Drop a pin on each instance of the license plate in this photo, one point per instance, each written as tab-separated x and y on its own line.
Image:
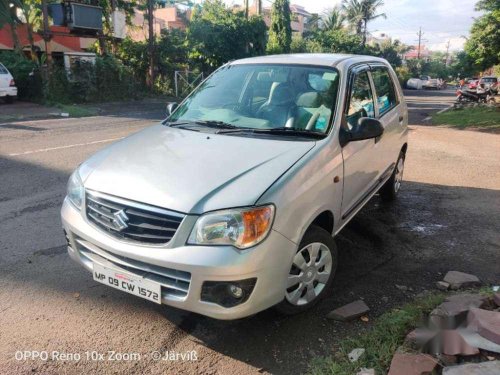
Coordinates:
127	282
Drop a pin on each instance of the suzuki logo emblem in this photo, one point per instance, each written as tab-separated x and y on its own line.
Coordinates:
120	220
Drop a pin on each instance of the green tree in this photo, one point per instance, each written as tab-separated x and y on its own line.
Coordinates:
354	14
334	41
31	11
389	50
370	8
333	19
280	31
483	46
216	35
463	66
360	12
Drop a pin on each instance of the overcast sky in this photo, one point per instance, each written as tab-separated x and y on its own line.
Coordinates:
441	20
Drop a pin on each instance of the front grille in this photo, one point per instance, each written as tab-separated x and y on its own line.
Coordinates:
174	283
132	221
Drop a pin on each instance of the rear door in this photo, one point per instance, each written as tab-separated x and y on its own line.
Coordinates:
391	113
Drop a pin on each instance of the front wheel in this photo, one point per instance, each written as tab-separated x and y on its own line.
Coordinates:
390	190
312	272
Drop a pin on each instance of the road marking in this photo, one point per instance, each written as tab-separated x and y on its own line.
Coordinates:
67	146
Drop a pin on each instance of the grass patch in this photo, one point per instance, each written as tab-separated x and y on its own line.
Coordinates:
485	118
380	343
77	110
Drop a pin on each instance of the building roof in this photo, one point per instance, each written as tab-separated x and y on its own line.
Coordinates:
320	59
298	9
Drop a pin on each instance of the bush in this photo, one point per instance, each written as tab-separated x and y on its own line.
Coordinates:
105	80
403	74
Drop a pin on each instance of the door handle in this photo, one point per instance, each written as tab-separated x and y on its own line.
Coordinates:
401	118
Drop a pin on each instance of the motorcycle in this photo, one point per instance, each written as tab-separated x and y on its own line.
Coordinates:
481	95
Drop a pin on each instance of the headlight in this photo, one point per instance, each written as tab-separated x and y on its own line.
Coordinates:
239	227
75	190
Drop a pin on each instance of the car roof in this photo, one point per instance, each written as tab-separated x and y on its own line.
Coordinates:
320	59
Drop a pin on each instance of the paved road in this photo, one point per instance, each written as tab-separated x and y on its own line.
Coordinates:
422	103
445	219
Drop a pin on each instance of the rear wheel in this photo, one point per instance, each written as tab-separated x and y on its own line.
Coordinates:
312	272
390	190
9	99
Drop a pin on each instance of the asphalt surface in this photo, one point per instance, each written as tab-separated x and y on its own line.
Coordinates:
446	218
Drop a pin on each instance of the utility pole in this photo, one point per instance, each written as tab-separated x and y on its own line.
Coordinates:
259	7
447	53
420	34
46	33
246	9
151	43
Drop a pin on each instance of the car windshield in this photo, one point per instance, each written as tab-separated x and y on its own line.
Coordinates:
260	97
3	70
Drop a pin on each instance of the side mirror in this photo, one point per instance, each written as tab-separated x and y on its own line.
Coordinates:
171	107
367	128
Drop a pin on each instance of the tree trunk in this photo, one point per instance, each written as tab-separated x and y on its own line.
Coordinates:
151	45
365	31
31	41
15	37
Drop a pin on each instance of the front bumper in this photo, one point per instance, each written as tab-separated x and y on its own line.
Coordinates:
182	269
9	91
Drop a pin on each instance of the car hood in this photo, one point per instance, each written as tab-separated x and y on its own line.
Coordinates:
190	172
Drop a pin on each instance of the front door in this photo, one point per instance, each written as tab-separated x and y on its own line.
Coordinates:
361	167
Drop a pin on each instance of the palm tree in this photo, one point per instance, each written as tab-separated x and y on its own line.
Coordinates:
360	12
353	12
333	19
370	13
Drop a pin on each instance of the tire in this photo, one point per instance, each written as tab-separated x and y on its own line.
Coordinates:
308	282
9	99
389	191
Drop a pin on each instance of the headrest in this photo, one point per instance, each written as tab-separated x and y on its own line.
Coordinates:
272	76
309	99
282	94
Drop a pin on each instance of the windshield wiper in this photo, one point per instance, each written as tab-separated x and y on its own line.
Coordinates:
277	131
216	124
175	123
207	123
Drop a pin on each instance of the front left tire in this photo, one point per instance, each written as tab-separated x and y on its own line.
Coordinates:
313	269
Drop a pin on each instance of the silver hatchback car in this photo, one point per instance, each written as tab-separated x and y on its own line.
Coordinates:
230	205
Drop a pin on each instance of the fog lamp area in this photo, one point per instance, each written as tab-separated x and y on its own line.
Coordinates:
227	293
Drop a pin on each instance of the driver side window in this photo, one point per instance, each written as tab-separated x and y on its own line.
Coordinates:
361	101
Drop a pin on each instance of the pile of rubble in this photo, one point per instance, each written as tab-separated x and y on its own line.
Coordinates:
462	105
460	336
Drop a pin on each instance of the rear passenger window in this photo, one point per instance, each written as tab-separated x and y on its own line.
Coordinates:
361	102
3	70
385	91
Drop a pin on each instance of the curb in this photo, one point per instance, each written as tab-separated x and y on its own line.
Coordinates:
445	109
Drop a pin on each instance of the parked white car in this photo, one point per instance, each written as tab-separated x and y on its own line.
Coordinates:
8	89
433	84
414	84
230	206
424	82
